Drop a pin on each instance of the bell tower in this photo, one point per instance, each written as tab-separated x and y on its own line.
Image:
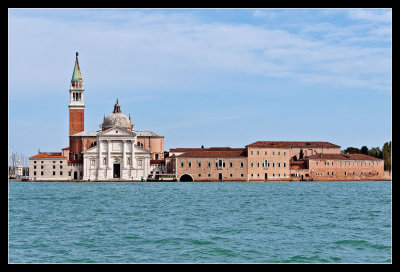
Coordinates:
76	102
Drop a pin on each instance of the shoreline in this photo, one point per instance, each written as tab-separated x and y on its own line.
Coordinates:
164	181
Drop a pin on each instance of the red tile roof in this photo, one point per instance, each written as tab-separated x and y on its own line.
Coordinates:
157	161
48	155
288	144
342	157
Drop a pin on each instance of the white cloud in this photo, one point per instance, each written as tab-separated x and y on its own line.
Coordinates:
372	15
155	49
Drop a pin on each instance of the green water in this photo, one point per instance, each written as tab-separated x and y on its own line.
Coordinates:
316	222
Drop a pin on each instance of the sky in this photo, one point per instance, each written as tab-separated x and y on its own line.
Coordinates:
212	77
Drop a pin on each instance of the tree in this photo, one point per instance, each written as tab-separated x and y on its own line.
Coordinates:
387	155
375	152
352	150
364	150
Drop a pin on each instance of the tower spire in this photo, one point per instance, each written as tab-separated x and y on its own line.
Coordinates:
76	75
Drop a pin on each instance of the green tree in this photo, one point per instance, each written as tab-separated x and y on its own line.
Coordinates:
352	150
387	155
364	150
375	152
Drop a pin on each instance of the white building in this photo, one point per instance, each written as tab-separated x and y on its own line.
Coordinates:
116	154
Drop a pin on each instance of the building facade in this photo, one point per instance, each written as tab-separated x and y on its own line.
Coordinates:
273	161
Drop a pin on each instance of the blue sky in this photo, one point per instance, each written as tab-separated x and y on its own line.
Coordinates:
212	77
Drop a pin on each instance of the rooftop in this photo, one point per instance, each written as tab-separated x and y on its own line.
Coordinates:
86	133
289	144
48	155
147	134
215	153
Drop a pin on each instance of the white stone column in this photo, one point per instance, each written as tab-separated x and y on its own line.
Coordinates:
108	154
123	154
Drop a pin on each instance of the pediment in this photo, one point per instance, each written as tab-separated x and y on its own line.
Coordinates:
117	131
93	149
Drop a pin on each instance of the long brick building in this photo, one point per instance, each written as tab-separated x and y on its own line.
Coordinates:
273	161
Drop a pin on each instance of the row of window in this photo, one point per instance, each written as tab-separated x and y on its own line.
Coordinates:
219	164
267	164
266	153
43	162
350	163
230	175
41	167
347	173
54	173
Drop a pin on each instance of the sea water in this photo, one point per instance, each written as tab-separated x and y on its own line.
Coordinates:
221	222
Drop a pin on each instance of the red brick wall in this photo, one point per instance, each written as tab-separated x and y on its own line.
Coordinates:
76	121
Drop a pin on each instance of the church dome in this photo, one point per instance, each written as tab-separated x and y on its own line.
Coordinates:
117	118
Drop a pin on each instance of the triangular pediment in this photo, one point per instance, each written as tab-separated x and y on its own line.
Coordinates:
93	149
117	131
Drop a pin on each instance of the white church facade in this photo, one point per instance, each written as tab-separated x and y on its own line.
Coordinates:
116	152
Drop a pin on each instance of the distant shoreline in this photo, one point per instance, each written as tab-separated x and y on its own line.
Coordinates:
164	181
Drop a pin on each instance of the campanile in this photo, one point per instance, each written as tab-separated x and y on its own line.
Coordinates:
76	102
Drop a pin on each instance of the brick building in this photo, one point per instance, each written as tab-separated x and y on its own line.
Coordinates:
272	161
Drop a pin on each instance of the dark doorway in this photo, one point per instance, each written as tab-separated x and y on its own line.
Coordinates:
186	177
117	172
75	175
220	176
266	176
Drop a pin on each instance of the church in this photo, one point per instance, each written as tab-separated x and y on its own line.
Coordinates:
115	152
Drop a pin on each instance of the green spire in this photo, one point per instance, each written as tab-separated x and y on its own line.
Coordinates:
76	75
